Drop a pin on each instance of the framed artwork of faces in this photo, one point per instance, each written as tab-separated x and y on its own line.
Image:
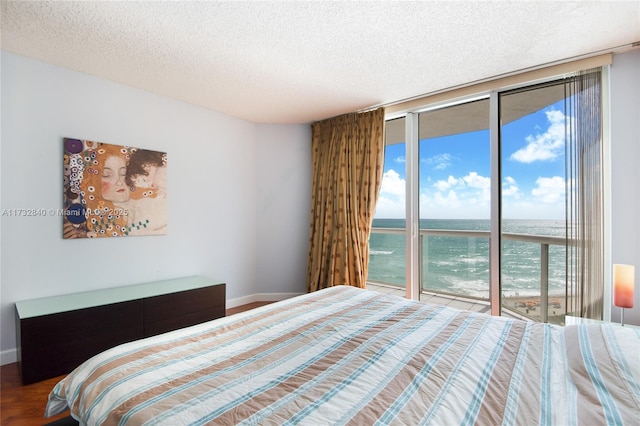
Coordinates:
113	190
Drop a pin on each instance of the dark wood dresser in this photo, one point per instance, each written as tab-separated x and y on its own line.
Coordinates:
56	334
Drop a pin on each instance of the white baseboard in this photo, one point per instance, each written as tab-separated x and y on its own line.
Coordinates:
11	355
8	357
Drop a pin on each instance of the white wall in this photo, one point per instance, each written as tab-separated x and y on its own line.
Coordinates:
283	206
215	205
625	171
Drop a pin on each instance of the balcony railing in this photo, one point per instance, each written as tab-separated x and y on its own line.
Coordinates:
544	242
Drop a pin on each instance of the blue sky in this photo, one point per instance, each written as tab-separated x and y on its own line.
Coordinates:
455	172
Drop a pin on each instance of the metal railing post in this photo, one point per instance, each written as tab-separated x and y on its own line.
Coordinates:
544	282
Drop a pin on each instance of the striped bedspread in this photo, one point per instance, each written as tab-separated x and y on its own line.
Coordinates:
350	356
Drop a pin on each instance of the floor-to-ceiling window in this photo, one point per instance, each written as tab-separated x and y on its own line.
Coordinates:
387	243
477	188
454	199
533	187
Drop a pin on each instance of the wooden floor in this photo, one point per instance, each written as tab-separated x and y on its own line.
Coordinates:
24	405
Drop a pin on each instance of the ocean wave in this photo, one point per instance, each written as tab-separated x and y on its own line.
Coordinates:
442	263
380	252
473	260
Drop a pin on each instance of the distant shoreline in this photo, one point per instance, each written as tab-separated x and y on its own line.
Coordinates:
531	304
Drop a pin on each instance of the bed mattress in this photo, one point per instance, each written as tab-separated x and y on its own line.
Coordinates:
349	356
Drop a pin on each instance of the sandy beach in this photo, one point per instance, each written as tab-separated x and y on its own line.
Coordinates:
530	306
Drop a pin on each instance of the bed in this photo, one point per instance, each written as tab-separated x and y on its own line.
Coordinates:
349	356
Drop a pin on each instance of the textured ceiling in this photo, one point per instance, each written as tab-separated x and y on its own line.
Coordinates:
296	62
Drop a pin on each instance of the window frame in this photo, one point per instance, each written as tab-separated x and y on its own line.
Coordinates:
492	90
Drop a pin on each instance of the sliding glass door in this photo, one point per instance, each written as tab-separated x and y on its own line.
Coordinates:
533	219
454	200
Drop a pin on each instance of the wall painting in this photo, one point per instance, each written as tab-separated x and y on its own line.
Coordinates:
113	190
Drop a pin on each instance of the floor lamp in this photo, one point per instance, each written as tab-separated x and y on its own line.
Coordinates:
623	280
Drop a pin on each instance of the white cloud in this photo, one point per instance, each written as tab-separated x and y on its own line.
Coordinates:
443	185
510	188
466	197
391	201
389	209
450	200
549	190
546	146
392	184
440	161
474	180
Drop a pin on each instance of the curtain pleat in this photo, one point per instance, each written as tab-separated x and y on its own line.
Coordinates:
585	222
347	157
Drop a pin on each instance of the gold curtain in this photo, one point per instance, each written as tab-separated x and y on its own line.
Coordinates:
347	154
585	211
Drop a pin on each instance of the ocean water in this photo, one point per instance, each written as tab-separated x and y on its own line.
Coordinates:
460	265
